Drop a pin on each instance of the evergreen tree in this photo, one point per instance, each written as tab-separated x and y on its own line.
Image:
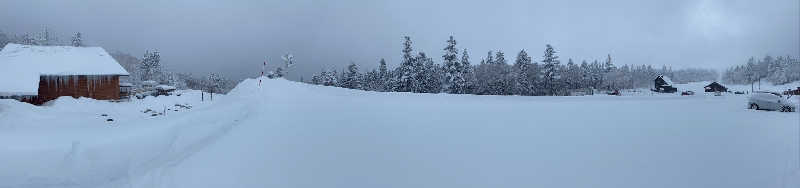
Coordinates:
432	80
500	58
27	39
150	66
551	72
316	79
573	75
352	77
46	38
586	78
485	75
467	82
329	78
419	77
499	76
77	40
215	83
489	58
452	68
609	66
405	73
384	77
522	85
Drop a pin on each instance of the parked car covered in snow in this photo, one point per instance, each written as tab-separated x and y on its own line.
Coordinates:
770	101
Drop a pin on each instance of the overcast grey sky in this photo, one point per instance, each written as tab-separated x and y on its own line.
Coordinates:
233	37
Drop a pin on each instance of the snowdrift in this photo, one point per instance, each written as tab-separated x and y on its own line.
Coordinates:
288	134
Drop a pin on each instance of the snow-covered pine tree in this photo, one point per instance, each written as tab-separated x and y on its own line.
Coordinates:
27	39
278	73
777	72
500	57
573	75
215	83
522	84
150	66
609	65
433	76
315	79
499	82
371	81
45	38
490	57
467	83
328	78
352	77
77	40
405	73
484	75
452	68
282	70
551	73
384	77
586	78
419	73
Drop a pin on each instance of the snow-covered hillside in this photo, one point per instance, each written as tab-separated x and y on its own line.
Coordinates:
290	134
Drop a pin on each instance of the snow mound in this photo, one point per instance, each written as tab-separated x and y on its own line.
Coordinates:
290	134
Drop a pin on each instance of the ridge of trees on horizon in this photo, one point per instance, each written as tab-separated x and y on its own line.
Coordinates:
776	70
494	75
419	73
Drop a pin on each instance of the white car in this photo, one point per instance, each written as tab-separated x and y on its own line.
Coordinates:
770	101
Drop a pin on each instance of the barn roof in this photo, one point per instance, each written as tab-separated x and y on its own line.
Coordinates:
665	79
21	65
715	84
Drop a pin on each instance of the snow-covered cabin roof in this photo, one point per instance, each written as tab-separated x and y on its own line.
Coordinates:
666	80
21	65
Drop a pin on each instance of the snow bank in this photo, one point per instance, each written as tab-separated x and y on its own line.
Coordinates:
313	136
69	143
288	134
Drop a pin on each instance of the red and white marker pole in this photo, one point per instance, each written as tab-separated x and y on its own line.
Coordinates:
263	66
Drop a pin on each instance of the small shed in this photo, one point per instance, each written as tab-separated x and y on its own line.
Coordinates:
663	84
716	87
37	74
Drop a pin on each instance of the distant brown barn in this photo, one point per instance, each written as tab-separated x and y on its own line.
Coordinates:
37	74
715	87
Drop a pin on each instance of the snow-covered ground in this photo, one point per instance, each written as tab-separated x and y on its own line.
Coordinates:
290	134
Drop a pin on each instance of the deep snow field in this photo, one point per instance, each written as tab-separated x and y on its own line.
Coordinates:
289	134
